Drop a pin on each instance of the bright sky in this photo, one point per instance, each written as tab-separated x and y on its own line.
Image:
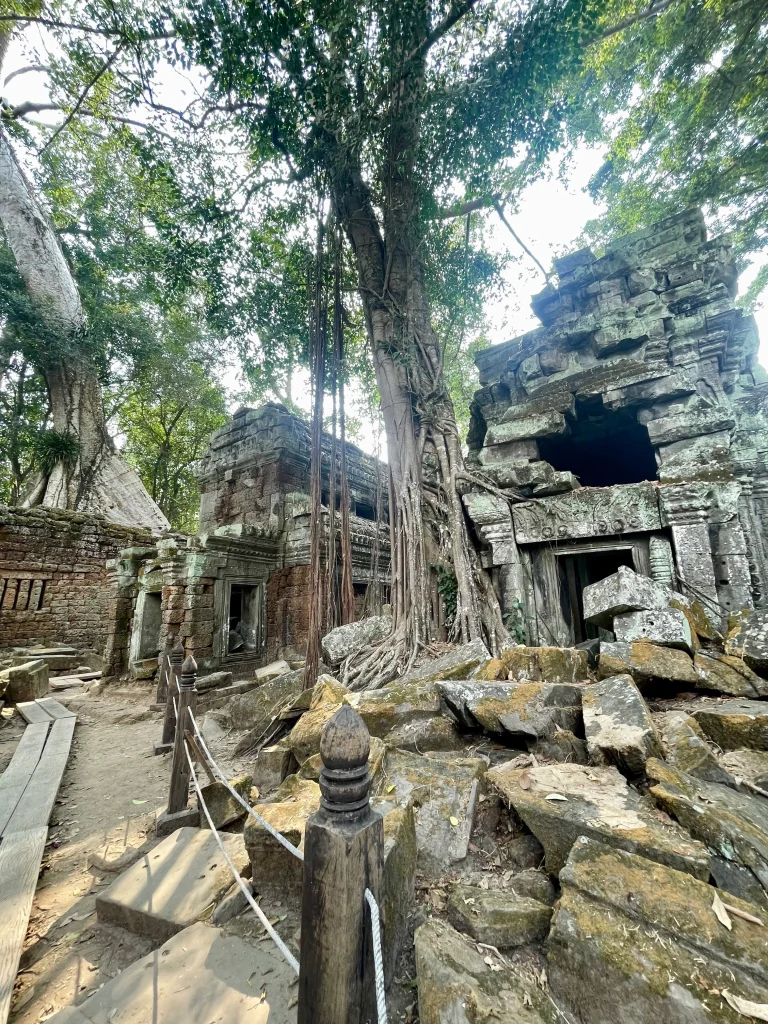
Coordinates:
551	216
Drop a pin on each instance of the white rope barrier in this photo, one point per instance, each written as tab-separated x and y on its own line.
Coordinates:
223	779
235	874
378	959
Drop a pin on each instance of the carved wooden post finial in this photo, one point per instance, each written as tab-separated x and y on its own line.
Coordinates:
345	781
177	654
188	676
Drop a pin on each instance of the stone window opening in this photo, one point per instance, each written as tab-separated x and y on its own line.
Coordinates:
604	447
577	570
245	618
151	618
22	595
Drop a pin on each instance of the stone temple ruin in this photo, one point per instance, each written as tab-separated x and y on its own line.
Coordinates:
632	423
236	593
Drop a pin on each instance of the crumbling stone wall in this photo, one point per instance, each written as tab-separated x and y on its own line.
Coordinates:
54	581
288	612
634	419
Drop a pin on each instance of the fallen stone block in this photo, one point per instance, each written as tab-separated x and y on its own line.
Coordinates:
456	984
750	765
648	663
621	592
538	664
25	682
525	711
444	793
271	766
749	640
685	748
197	976
618	725
459	663
213	681
327	696
559	803
722	673
636	941
424	735
222	806
233	903
735	724
534	884
173	885
503	919
399	879
312	766
274	868
271	671
564	746
406	715
667	627
254	710
346	640
731	823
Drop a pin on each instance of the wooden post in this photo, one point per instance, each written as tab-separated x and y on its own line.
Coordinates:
169	721
343	856
178	814
161	696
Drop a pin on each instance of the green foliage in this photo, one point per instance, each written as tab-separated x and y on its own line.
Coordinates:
448	588
681	101
23	415
517	622
56	447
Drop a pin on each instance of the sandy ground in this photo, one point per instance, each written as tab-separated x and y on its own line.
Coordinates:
109	793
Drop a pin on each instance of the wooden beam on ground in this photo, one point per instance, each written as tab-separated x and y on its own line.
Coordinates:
33	714
36	804
20	858
54	708
16	776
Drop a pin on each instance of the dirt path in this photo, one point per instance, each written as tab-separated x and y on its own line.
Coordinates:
110	791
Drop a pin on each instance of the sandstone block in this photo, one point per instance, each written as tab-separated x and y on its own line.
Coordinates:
623	591
213	681
686	749
327	696
272	671
528	711
538	664
666	627
460	663
222	806
647	662
502	919
346	640
618	725
24	682
749	640
735	724
560	803
722	673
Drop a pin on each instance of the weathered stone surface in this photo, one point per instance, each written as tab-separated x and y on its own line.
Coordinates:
444	794
534	884
171	887
686	749
638	942
538	664
588	512
271	766
623	591
457	986
343	641
667	627
422	735
311	767
525	852
254	710
751	765
213	681
722	673
527	711
459	663
404	714
648	663
24	682
618	725
274	867
399	879
733	824
598	803
327	695
498	918
520	428
272	670
735	724
222	806
563	746
749	640
198	975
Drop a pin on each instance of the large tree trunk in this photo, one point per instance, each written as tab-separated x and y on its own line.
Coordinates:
96	480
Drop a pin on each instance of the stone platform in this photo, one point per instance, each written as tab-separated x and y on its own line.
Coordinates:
172	886
200	977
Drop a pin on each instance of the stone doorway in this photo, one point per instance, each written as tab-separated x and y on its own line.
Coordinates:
245	618
578	570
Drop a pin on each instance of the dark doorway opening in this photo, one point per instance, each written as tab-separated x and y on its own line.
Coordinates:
604	447
245	618
577	571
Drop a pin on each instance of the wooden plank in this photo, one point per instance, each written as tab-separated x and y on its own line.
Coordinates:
35	806
20	857
33	714
16	776
54	708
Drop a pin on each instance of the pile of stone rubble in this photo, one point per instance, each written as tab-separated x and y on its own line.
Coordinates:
587	829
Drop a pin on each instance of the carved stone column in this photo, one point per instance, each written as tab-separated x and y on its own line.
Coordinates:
682	510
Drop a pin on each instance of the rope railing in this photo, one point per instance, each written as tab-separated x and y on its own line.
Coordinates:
378	959
243	803
235	874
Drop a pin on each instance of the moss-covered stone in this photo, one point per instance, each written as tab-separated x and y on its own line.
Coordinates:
735	724
647	662
636	941
399	879
560	803
686	748
502	919
457	986
722	673
618	725
528	711
327	696
545	664
222	806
